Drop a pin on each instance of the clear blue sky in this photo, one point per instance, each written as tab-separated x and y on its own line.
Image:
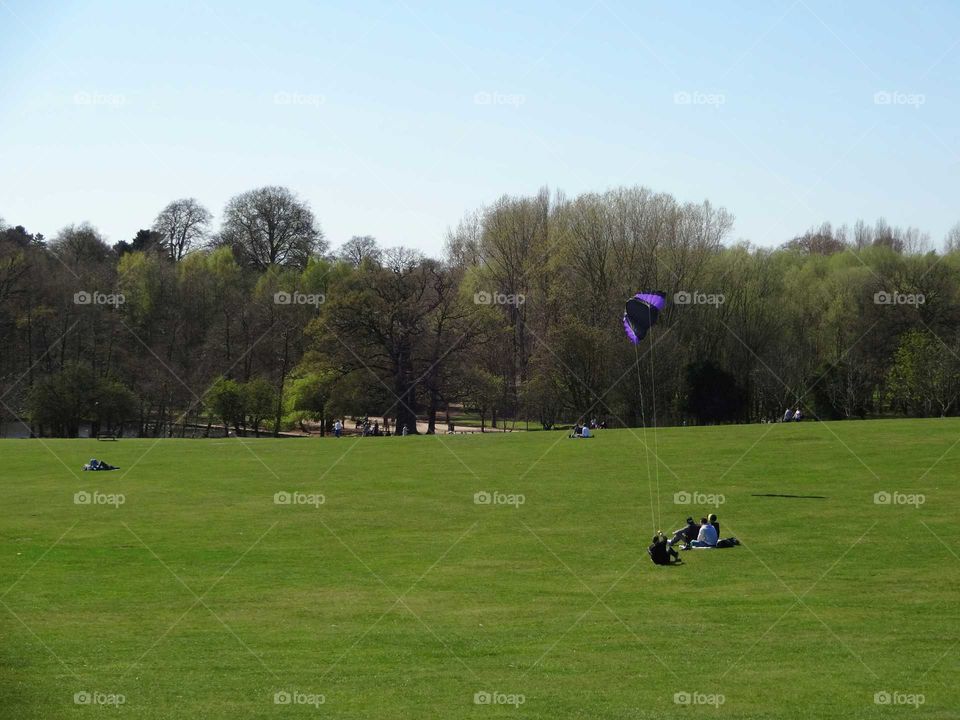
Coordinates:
394	118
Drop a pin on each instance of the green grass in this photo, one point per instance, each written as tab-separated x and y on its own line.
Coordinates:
399	597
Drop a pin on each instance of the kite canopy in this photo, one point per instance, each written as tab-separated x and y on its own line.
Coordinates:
641	314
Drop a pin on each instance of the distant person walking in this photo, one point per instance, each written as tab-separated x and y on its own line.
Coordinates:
788	415
797	416
337	428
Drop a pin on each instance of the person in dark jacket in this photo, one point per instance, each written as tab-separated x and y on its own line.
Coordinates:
687	533
661	553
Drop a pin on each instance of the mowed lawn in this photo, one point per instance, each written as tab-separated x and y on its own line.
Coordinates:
400	596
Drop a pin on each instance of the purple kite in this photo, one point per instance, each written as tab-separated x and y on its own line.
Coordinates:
641	314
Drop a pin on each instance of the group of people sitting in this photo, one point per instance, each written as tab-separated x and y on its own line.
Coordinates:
702	535
95	464
586	429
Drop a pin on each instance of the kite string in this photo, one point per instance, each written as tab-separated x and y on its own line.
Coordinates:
646	448
656	446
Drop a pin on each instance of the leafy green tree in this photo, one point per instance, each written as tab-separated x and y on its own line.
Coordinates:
226	400
925	377
259	401
309	396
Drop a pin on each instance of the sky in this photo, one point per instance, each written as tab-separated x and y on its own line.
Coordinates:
394	119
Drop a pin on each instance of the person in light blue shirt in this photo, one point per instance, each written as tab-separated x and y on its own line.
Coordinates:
707	538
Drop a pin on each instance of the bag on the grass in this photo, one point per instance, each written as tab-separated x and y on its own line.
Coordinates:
728	542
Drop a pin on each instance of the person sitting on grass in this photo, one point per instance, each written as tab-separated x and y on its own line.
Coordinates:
660	551
585	432
576	431
685	534
706	538
712	519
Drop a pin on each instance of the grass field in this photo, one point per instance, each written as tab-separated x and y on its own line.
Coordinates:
400	596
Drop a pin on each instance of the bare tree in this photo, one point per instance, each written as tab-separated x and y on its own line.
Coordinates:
183	224
952	241
271	226
360	248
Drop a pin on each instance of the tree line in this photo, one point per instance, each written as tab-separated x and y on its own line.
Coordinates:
259	326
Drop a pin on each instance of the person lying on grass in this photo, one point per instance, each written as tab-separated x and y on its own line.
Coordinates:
95	464
660	551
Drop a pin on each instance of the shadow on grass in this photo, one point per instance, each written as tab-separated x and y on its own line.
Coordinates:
803	497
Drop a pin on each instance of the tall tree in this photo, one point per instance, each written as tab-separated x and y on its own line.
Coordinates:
271	226
183	226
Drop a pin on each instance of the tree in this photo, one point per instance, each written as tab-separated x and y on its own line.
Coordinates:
143	241
925	376
482	393
259	399
113	404
226	399
309	396
61	403
360	248
714	395
183	226
952	241
374	324
80	245
271	226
